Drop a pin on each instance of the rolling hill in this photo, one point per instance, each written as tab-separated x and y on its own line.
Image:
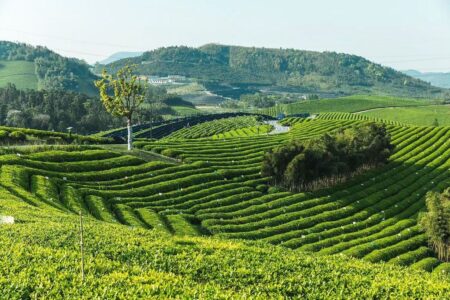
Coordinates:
351	104
244	69
439	79
203	222
40	68
40	259
21	73
214	187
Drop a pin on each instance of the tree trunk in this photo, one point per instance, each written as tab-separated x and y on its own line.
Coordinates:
130	133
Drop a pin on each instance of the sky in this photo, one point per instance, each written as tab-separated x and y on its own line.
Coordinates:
403	34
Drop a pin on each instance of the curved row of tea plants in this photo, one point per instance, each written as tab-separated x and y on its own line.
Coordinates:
219	190
244	132
26	136
214	127
158	130
40	259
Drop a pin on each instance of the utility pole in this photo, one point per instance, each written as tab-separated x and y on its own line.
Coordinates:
81	247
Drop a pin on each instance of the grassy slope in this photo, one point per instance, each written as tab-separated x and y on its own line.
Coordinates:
21	73
423	116
40	259
346	104
186	111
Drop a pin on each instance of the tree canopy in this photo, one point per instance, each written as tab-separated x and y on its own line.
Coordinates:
122	94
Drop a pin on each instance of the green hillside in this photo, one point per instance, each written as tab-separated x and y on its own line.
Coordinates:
233	70
356	103
424	116
40	68
218	190
21	73
40	259
170	226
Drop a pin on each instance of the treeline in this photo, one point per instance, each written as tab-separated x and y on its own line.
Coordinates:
321	162
53	110
57	109
52	70
261	100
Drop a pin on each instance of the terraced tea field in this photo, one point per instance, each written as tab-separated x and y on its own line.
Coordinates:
188	127
218	190
423	116
350	104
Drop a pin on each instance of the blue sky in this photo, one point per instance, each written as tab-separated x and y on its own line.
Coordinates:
404	34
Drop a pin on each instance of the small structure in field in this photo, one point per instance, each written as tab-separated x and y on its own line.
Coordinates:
6	220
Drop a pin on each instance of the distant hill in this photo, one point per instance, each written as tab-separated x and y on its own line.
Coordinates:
119	55
435	78
298	70
40	68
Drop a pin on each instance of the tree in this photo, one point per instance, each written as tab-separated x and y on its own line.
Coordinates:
320	162
436	122
129	93
436	223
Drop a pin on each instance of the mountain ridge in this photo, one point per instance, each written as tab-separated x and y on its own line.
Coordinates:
119	55
439	79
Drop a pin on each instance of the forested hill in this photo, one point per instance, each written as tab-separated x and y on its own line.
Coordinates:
307	71
40	68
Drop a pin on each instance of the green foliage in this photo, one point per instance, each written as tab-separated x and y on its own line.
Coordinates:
127	89
18	136
137	263
436	223
52	110
215	128
300	165
308	71
128	95
218	190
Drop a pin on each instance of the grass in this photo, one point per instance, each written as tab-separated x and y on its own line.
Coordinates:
183	89
422	116
20	73
186	111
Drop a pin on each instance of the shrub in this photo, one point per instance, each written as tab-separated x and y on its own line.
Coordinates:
4	134
436	223
18	136
171	153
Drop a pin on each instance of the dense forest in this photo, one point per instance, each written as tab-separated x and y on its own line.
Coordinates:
52	70
52	110
58	109
308	71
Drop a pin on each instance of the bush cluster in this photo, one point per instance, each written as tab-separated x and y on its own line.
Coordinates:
299	165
